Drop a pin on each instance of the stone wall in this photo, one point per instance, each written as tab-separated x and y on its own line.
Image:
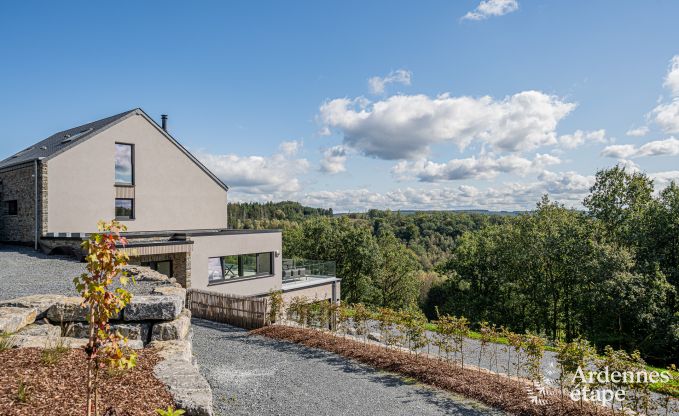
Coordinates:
158	320
18	183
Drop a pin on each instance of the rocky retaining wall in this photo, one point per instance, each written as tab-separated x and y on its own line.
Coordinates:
157	320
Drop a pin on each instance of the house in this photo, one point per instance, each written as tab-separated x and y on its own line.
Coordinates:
127	167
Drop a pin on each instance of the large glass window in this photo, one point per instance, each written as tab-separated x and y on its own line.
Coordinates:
124	164
243	265
124	209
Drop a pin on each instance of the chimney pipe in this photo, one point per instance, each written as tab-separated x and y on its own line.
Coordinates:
163	122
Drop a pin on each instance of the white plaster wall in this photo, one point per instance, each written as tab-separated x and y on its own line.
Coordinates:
205	247
171	191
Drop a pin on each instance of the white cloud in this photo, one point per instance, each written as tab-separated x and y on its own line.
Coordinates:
484	167
334	160
571	141
663	179
667	147
638	131
491	8
567	187
667	116
290	148
254	175
672	78
400	76
405	126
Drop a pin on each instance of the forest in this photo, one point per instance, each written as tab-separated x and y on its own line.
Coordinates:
608	273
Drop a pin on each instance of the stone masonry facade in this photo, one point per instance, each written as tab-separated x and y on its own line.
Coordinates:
181	265
17	183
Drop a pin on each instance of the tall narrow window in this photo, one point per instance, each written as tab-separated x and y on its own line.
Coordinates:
124	164
124	209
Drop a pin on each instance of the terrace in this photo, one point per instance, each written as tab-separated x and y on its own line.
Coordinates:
298	273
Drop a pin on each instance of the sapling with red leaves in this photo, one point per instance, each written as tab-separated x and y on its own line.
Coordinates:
105	263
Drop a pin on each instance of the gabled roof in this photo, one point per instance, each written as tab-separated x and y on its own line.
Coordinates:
61	141
67	139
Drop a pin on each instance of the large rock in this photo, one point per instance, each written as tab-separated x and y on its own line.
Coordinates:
137	331
37	336
41	303
13	319
68	309
189	389
144	274
170	291
37	329
181	350
154	308
172	330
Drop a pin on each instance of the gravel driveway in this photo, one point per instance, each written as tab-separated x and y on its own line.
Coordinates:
252	375
24	271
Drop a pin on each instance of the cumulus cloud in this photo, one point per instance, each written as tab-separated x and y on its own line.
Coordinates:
571	141
377	85
672	78
483	167
405	126
666	114
290	148
491	8
567	187
334	160
667	147
257	174
638	131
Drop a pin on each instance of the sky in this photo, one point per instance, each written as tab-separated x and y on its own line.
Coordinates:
457	104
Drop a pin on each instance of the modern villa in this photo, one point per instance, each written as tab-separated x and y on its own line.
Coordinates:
128	167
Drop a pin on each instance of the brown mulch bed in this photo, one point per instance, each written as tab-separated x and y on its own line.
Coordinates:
492	389
60	388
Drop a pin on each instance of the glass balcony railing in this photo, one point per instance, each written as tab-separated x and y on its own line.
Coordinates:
295	270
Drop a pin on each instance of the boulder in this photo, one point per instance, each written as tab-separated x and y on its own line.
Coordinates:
13	319
154	308
40	329
181	350
37	336
374	336
189	389
34	341
170	291
172	330
68	309
41	303
74	342
144	274
138	331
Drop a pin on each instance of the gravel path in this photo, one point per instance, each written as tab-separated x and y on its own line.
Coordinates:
252	375
23	272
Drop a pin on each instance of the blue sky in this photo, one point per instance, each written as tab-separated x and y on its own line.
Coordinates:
354	104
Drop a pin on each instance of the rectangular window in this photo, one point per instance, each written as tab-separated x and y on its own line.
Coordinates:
124	164
240	266
11	207
124	209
